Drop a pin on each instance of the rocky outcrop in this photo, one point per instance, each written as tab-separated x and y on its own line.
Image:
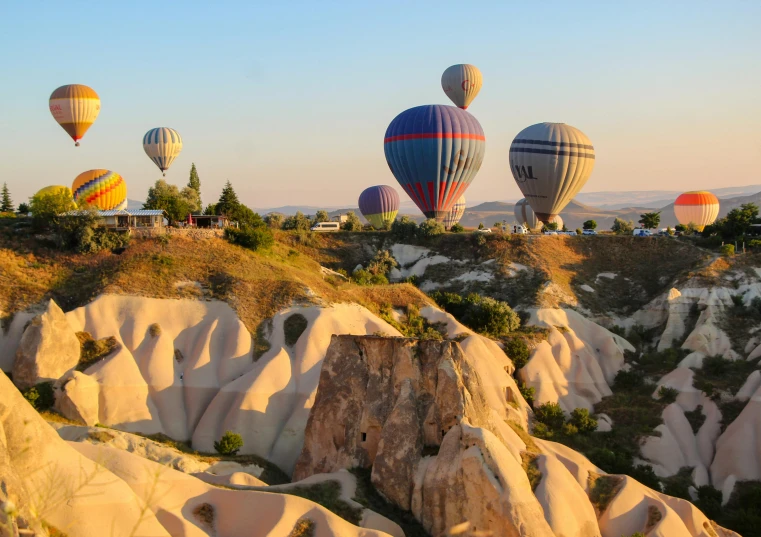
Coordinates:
48	349
381	401
577	363
76	397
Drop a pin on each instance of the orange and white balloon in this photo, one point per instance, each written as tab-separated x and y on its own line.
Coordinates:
75	107
698	207
461	83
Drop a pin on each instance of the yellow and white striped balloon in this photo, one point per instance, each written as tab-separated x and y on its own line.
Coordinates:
75	107
162	145
461	83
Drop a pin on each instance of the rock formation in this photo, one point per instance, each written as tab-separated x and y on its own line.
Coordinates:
48	349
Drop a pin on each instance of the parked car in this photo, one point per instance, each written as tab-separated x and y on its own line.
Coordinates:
589	232
484	230
326	226
642	233
550	232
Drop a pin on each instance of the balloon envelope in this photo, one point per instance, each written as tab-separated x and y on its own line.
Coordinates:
551	162
379	204
525	215
461	83
75	107
162	145
698	207
104	189
435	152
54	190
455	214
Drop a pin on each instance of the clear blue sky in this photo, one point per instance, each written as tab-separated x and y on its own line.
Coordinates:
290	100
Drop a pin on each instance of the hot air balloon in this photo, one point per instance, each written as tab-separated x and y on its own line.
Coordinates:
699	207
461	83
435	152
162	145
379	204
75	107
458	209
104	189
525	215
551	162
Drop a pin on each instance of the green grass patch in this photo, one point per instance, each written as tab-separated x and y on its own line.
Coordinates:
327	494
92	350
721	375
602	490
531	467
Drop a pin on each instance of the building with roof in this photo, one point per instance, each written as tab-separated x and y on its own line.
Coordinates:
124	219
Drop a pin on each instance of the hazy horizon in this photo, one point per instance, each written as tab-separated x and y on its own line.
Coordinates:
290	101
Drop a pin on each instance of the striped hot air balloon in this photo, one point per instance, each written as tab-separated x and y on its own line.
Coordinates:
461	83
551	162
435	152
525	215
104	189
75	107
379	204
162	145
698	207
458	209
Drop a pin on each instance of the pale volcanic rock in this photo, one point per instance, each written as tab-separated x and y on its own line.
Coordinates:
474	478
631	509
575	463
752	383
76	397
48	349
681	380
707	338
577	363
69	491
270	404
11	331
236	513
738	450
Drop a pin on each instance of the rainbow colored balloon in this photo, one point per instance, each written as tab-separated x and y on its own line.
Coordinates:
454	216
435	152
379	204
104	189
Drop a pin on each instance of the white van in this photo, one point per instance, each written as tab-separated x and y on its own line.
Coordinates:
326	226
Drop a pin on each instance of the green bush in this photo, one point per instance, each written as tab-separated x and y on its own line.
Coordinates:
229	444
569	429
581	419
293	327
728	250
365	277
482	314
353	223
715	366
457	228
551	415
404	229
430	228
527	392
382	263
154	330
296	222
667	394
628	380
40	396
259	238
517	350
542	431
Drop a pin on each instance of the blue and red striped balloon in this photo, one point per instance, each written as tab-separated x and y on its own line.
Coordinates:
379	204
435	152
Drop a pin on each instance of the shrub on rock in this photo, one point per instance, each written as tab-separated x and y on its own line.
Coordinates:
229	444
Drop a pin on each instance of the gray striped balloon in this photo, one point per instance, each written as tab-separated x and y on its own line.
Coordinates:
162	145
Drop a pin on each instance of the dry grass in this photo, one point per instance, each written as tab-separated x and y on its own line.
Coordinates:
654	516
92	351
531	446
256	285
305	527
206	515
51	415
602	489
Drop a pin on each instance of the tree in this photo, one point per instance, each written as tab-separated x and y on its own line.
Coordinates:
737	222
430	228
382	263
681	228
352	223
48	208
298	222
650	220
321	216
228	200
6	204
229	444
552	226
404	229
456	228
583	421
590	224
177	203
23	208
622	227
274	220
195	182
245	217
480	225
210	210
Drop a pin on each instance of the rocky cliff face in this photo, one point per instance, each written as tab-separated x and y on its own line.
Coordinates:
384	402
